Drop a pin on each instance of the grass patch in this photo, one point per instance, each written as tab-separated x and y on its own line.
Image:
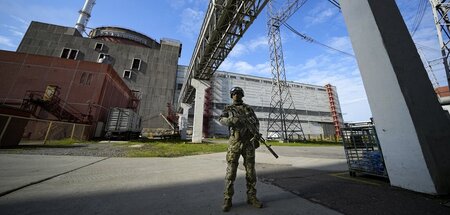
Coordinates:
164	149
67	141
308	143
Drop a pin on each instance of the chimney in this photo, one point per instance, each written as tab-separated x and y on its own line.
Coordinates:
85	14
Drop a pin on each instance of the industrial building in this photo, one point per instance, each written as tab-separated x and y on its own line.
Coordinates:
146	66
317	106
149	69
50	89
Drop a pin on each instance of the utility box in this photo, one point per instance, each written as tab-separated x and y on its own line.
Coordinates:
123	123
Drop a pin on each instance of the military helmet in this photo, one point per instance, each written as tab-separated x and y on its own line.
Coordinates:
235	90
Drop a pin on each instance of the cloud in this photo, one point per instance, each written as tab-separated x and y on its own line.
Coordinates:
320	14
15	30
244	67
337	70
341	43
238	50
191	21
340	71
24	12
244	48
24	22
258	42
5	41
18	14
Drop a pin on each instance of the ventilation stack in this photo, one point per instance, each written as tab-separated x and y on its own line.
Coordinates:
85	14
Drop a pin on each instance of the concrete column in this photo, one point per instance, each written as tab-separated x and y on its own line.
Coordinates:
197	130
183	120
413	130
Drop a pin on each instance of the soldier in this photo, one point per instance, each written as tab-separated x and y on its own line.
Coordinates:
240	144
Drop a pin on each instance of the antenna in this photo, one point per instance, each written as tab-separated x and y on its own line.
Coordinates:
85	14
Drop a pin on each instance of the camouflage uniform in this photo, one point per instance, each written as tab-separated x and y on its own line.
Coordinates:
240	144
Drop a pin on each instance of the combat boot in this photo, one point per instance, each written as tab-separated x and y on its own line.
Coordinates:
226	205
254	202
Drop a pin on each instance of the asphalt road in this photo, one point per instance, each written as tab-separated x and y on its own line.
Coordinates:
304	180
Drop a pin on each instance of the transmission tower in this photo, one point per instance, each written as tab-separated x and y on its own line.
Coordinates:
283	119
441	9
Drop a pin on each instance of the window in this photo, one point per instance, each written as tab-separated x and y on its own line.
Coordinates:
50	91
86	78
127	74
179	86
73	54
83	78
251	79
102	57
89	79
65	53
98	46
136	65
69	53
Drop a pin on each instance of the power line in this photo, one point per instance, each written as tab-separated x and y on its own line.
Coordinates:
426	47
311	40
335	3
419	16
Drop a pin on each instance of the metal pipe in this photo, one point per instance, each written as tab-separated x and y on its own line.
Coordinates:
85	14
444	100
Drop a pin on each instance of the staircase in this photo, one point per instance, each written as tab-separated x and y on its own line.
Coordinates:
53	105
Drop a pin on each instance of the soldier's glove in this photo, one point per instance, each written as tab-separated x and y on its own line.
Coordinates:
235	121
255	141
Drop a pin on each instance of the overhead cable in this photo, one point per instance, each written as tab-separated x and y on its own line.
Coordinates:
335	3
423	4
310	39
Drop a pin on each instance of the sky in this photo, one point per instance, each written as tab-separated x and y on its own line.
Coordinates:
305	62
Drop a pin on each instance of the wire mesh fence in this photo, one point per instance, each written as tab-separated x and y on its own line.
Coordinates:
45	131
22	130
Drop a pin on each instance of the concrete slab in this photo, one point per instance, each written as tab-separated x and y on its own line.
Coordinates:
186	185
20	170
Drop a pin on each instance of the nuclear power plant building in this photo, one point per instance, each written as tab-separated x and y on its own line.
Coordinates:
150	69
146	66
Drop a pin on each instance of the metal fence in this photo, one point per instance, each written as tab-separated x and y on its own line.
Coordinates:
41	131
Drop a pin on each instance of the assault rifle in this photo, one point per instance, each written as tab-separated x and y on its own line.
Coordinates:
257	136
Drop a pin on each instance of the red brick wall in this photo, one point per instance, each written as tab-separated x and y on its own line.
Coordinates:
442	91
82	84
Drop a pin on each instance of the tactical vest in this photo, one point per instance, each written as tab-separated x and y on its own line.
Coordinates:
242	111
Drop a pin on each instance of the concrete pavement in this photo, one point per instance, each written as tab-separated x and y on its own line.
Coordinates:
34	184
304	180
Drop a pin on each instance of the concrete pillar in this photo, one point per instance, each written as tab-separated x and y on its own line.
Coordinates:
183	120
413	130
197	130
